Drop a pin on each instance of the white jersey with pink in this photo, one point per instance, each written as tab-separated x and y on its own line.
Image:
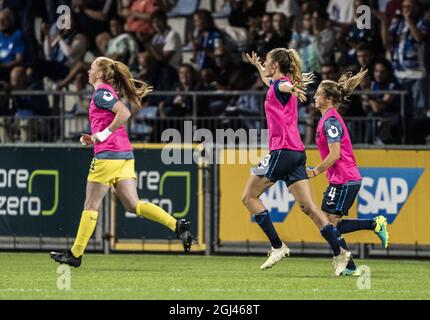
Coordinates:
117	145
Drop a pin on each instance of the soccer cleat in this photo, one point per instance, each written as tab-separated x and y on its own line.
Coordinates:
66	257
351	273
381	230
183	232
341	261
275	255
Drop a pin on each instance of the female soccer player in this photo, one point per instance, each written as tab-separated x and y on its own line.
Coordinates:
113	163
287	159
335	147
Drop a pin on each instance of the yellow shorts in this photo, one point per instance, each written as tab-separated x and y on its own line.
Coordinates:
109	172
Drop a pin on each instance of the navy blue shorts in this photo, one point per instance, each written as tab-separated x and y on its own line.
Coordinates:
283	164
338	198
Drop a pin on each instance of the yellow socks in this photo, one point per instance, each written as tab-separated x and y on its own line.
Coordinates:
155	213
86	229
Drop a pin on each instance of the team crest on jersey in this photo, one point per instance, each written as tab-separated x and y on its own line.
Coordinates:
108	96
333	132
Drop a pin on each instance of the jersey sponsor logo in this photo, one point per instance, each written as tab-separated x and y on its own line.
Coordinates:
384	191
278	200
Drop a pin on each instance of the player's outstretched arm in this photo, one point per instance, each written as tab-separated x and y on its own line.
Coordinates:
255	61
290	88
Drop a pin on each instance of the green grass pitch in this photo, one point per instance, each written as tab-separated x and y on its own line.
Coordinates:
144	276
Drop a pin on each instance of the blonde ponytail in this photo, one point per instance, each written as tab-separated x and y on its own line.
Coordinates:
340	91
348	82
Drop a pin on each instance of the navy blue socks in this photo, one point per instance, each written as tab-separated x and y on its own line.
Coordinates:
265	223
351	225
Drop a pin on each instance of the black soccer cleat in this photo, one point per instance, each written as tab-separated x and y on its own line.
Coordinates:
66	257
183	232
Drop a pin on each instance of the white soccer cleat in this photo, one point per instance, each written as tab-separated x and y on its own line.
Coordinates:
341	261
275	255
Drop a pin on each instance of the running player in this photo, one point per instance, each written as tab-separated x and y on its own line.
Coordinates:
335	147
287	159
113	162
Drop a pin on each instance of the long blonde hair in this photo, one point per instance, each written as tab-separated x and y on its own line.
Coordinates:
340	91
119	76
290	64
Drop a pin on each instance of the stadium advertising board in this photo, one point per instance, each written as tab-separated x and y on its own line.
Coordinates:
42	190
395	184
175	187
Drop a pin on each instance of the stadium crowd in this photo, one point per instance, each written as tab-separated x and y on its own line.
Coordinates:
207	54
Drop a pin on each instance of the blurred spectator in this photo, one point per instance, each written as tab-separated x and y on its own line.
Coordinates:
181	105
63	50
330	71
81	102
356	35
224	67
166	45
265	39
204	39
28	106
11	44
245	105
138	15
290	8
407	39
341	12
390	9
304	43
93	17
24	12
118	45
215	105
325	37
243	11
384	105
281	29
366	58
161	77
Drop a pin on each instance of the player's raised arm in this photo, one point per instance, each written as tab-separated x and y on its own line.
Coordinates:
255	61
290	88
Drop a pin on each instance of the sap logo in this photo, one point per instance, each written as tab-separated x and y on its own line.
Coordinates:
384	191
278	201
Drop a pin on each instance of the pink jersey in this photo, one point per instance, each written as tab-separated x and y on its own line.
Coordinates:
101	116
332	129
282	119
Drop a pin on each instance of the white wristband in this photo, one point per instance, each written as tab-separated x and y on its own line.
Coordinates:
102	135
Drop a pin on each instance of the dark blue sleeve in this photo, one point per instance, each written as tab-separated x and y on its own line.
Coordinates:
333	130
283	97
104	99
